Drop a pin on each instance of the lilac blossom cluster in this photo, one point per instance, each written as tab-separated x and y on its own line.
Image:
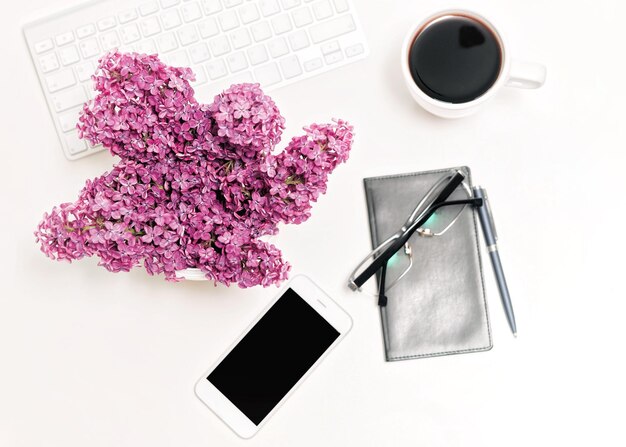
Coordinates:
197	184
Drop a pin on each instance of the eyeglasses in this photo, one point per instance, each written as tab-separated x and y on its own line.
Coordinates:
438	210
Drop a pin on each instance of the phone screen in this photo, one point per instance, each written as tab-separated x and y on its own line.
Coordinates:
272	357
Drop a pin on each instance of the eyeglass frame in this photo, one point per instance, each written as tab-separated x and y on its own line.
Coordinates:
421	231
412	224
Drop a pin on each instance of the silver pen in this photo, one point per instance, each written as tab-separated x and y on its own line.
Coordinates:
491	239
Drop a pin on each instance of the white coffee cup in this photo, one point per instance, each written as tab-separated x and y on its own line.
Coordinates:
512	73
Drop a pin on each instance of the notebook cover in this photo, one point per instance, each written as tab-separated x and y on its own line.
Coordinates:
439	307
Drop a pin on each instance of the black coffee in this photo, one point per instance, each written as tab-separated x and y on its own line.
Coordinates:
455	59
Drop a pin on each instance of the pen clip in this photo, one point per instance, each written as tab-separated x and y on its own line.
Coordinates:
488	208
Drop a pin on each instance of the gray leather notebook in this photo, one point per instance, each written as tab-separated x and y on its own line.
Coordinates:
439	307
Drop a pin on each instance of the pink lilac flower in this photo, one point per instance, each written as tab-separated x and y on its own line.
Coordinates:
197	184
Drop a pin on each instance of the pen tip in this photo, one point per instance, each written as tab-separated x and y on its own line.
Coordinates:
515	334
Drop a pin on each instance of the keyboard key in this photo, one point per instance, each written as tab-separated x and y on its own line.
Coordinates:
333	58
109	40
188	35
150	26
201	77
211	6
257	54
330	47
146	46
298	40
278	47
249	13
288	4
261	31
237	61
332	28
127	16
354	50
322	9
240	38
290	66
48	63
178	59
216	69
313	64
148	8
228	20
169	3
69	98
106	23
208	28
341	5
166	42
302	16
224	84
170	19
74	144
191	12
240	78
281	24
89	48
60	80
269	7
91	93
219	46
69	55
85	31
213	88
130	34
65	38
84	71
44	45
231	3
68	120
268	74
199	53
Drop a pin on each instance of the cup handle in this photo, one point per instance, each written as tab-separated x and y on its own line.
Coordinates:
526	75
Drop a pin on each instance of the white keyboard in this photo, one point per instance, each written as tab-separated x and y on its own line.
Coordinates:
273	42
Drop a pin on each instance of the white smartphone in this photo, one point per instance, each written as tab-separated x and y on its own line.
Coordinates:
273	356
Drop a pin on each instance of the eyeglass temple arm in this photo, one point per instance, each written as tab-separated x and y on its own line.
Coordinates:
381	259
382	298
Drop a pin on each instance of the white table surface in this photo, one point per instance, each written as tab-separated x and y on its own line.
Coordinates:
90	358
